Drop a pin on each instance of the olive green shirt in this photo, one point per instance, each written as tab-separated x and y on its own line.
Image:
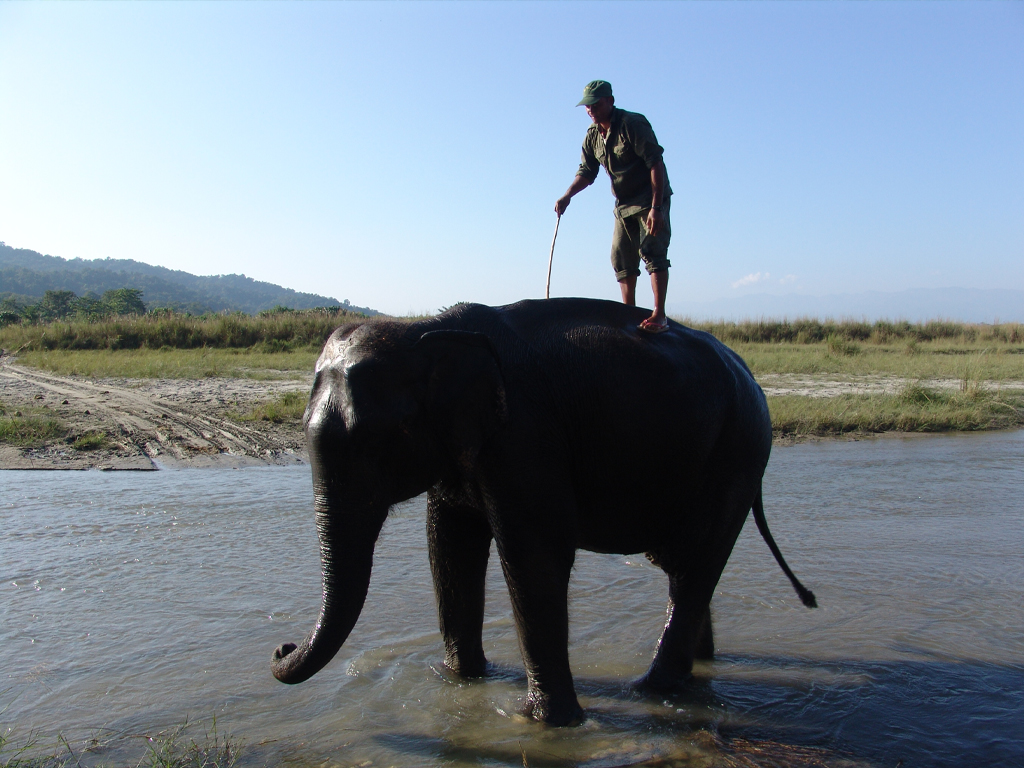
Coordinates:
627	153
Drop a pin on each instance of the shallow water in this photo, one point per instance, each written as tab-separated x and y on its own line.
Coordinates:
131	602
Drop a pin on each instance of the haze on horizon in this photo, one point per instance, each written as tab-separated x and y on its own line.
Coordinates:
407	156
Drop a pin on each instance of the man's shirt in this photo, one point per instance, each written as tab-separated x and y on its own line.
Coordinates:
627	153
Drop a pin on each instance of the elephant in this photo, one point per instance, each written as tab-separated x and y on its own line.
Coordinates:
546	426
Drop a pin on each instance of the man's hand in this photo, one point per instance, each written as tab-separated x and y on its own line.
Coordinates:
655	222
578	184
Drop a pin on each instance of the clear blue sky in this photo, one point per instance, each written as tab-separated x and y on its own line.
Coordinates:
407	156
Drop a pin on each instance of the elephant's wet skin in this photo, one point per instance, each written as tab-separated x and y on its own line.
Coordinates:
525	425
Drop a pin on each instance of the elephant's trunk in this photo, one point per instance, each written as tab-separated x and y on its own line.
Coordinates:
346	554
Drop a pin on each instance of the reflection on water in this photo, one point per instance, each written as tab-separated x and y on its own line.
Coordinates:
131	602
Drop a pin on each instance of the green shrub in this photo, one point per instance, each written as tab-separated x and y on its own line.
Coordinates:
914	394
90	441
9	317
841	347
287	407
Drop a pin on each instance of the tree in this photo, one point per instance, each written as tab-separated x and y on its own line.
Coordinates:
90	306
124	301
57	305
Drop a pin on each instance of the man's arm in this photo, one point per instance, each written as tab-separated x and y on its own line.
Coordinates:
578	184
655	219
584	176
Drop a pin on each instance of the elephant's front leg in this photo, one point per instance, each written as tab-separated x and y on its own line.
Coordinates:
538	584
459	541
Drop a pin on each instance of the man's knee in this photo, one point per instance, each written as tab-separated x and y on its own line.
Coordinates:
622	275
660	264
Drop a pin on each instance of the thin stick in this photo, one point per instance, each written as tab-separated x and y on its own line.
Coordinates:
551	257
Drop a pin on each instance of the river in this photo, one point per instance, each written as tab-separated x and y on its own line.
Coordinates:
134	601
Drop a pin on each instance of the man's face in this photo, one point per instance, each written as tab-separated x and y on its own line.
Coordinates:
601	110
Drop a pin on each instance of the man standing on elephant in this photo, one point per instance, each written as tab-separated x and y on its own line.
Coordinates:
624	144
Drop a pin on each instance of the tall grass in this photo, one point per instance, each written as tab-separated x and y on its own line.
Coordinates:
814	331
285	330
268	332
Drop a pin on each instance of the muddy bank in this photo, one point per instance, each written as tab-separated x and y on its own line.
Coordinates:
150	424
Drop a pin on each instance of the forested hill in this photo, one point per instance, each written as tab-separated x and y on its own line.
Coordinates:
26	275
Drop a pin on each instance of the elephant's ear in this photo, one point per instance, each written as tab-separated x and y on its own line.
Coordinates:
465	391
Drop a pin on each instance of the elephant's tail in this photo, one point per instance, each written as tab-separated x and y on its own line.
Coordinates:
806	596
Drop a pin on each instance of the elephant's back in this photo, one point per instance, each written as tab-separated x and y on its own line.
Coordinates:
593	339
591	353
588	354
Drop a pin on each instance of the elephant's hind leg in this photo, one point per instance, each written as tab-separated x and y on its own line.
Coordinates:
705	647
693	570
459	540
687	635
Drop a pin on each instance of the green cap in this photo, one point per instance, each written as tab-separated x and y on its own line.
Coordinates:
595	91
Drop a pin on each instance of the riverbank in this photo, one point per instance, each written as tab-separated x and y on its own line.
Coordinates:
52	420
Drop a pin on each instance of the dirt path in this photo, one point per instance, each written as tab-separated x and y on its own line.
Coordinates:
150	423
776	384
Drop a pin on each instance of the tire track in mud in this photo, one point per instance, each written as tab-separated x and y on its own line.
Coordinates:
145	425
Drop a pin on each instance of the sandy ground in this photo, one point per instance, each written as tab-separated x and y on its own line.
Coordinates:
153	423
775	384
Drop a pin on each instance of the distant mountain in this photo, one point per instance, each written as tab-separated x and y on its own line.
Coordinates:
968	305
26	275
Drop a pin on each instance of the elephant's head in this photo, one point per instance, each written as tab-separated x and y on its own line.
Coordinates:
389	415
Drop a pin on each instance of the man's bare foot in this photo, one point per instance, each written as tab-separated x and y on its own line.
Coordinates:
654	324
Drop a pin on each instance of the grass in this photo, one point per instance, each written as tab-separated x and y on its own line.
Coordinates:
992	353
172	748
34	427
39	427
287	407
29	428
252	363
90	441
928	360
914	409
813	331
267	332
286	330
841	347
